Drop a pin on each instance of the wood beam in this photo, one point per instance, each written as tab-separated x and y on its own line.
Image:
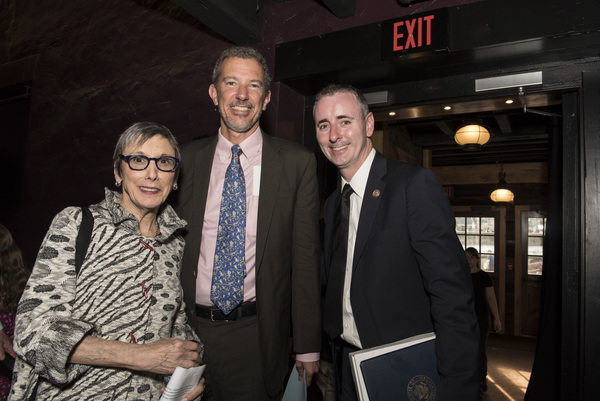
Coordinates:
341	8
445	128
504	123
237	21
516	173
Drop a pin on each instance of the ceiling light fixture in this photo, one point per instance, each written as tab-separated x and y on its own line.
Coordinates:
472	135
502	194
392	113
447	108
509	101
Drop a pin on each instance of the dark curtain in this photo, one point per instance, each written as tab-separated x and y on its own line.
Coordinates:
545	380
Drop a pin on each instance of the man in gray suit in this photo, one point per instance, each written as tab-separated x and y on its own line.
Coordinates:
247	350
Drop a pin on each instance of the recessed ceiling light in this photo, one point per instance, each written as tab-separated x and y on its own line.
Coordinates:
447	107
392	113
509	101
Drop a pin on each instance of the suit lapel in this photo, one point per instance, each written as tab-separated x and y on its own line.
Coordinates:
374	192
270	176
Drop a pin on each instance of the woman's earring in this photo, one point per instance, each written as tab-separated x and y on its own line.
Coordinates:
117	183
175	187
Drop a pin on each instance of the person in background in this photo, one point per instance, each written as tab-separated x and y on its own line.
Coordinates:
397	269
13	276
489	263
107	332
259	193
485	304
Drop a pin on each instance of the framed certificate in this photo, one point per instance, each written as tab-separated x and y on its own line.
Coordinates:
404	370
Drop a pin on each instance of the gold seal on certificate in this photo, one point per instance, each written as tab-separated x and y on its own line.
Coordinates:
421	388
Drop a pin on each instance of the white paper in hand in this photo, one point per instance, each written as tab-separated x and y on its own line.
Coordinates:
182	382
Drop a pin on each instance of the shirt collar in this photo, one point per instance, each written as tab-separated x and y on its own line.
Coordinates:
251	146
360	178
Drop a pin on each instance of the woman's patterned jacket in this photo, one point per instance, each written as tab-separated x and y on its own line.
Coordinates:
128	290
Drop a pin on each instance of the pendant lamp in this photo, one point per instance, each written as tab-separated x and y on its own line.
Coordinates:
502	194
472	135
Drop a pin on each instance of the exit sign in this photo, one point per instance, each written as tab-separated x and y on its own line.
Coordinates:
415	33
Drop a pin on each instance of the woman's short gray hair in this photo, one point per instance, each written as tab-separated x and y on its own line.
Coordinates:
139	133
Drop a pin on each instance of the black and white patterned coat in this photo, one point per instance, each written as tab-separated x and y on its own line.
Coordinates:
128	290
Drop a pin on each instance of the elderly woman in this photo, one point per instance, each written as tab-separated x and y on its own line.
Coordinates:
107	331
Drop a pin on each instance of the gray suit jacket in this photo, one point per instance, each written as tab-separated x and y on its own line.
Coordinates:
287	246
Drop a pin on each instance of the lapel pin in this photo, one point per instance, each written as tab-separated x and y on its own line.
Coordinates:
376	193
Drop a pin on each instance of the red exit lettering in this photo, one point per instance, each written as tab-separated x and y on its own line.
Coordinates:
423	29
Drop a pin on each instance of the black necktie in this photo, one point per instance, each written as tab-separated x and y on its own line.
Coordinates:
339	251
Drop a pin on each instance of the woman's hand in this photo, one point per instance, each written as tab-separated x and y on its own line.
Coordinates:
164	355
497	325
161	356
196	393
6	345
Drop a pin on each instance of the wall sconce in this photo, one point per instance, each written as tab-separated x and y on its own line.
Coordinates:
502	194
472	135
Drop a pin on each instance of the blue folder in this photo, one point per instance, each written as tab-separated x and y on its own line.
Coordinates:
405	370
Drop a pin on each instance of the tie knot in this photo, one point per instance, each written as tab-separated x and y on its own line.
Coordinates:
347	191
236	151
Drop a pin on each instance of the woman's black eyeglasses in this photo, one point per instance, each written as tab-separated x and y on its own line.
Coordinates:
140	162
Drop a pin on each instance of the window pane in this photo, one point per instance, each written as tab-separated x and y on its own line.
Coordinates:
473	241
535	226
461	238
472	225
479	233
536	229
460	225
487	244
535	246
534	265
487	225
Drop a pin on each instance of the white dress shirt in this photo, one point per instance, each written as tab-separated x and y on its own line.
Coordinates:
358	184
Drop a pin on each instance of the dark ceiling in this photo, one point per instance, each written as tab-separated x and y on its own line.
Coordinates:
240	21
517	135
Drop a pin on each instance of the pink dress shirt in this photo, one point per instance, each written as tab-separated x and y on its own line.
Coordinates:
251	163
250	160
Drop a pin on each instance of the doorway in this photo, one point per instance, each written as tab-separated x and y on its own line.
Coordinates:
423	134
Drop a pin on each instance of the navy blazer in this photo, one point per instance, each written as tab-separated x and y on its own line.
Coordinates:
410	274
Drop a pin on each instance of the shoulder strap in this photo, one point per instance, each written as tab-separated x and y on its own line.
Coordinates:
83	237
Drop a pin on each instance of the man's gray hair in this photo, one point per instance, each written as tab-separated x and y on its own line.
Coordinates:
245	53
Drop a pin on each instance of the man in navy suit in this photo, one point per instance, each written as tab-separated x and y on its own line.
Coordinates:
405	272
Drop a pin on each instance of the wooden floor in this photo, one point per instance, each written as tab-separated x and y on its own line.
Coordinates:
509	367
